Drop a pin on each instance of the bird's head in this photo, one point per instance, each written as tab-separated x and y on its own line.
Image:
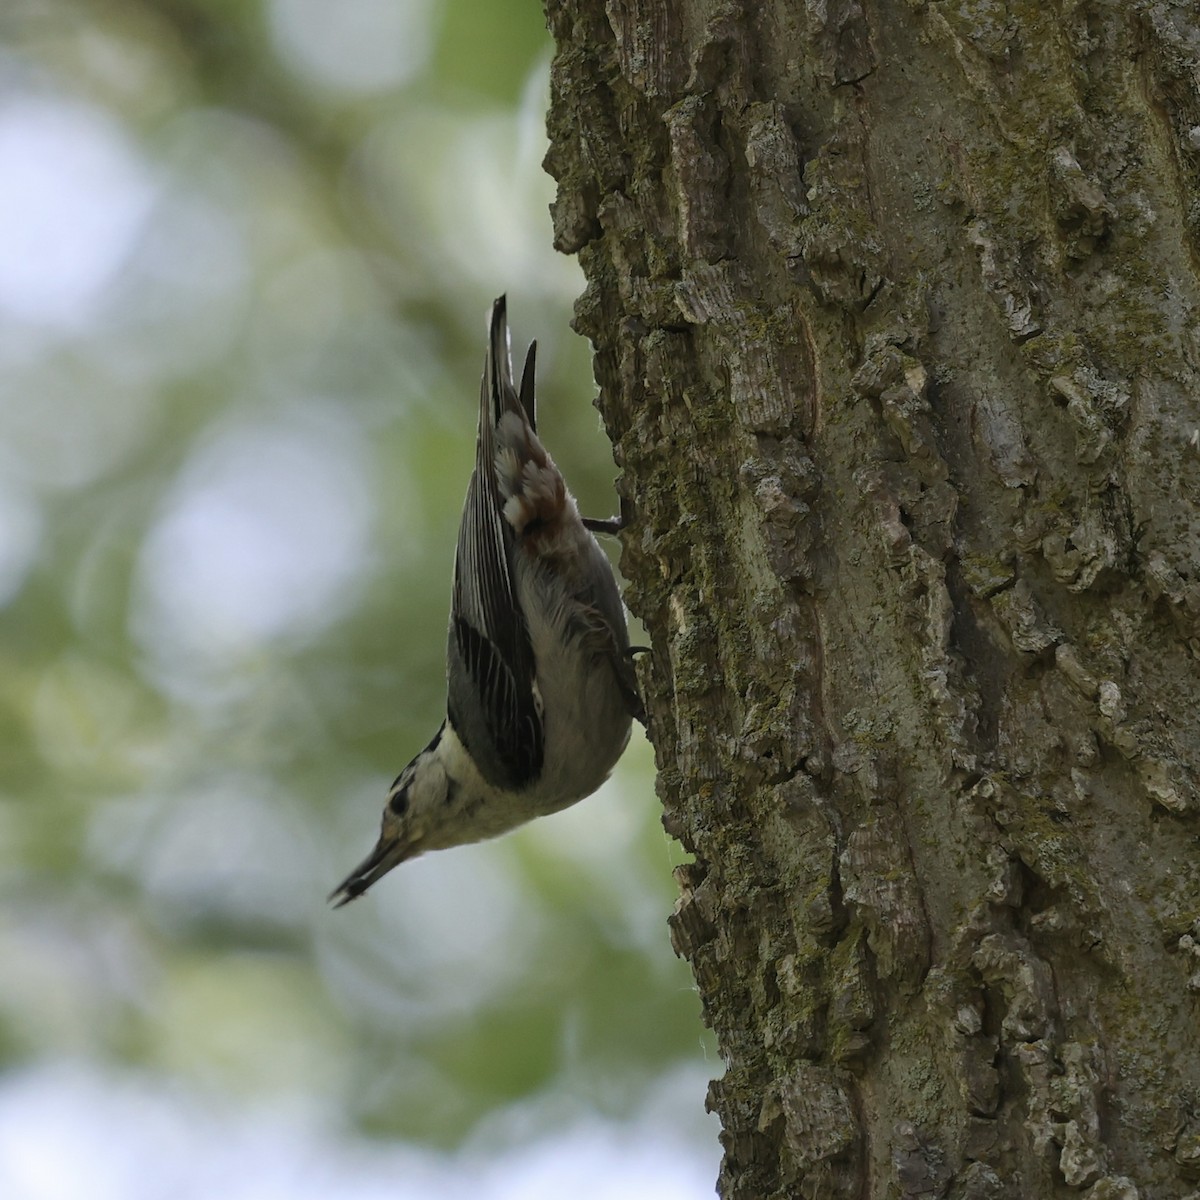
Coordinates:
419	796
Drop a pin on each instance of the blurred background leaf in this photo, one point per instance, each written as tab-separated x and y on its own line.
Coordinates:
246	249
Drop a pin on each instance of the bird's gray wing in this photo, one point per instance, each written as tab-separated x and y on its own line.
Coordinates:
490	664
599	617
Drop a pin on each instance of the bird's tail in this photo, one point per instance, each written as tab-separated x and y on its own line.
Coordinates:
498	395
529	489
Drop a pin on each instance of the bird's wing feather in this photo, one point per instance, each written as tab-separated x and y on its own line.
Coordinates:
490	661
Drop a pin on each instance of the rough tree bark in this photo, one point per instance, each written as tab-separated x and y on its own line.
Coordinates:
895	315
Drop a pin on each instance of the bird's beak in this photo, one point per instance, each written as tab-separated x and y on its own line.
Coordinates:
388	852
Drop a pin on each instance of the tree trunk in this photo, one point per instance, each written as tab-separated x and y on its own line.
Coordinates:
895	315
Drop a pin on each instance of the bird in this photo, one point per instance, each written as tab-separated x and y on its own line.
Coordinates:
541	690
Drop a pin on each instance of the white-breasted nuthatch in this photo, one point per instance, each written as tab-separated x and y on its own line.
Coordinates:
540	683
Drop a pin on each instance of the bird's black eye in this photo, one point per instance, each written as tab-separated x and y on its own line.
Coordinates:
399	802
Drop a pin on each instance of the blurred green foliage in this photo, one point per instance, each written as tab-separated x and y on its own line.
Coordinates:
233	447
